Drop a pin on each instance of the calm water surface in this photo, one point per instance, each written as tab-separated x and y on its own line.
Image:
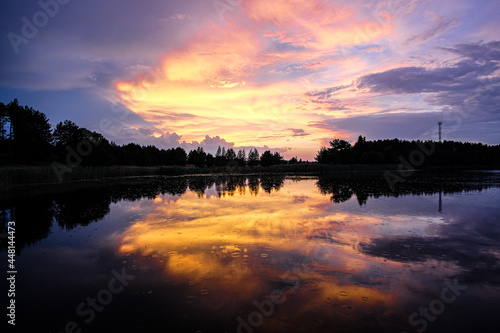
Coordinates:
261	254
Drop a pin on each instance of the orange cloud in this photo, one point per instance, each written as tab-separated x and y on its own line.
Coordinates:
213	56
314	24
245	81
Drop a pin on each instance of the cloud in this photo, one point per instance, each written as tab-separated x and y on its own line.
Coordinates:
298	132
179	17
416	80
59	73
401	125
326	93
471	85
436	30
315	25
150	136
209	144
478	51
70	52
265	71
467	91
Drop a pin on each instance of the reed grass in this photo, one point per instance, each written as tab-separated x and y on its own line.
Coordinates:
11	177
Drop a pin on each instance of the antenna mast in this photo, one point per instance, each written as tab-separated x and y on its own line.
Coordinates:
439	124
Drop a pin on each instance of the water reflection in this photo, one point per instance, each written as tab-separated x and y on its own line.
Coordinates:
82	206
333	265
362	186
240	250
331	254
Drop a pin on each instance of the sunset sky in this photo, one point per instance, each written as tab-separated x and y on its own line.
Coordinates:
284	75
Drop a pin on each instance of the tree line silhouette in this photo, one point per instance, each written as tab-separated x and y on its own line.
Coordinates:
26	137
413	153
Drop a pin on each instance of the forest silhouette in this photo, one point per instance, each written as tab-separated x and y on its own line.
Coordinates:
26	138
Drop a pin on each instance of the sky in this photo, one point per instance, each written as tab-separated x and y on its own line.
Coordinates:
283	75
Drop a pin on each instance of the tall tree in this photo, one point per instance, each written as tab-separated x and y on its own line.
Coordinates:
197	157
67	133
176	156
4	120
323	156
340	145
210	160
230	154
267	158
220	157
340	152
241	157
31	132
253	157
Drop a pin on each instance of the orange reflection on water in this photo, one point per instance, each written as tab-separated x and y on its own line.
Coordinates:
241	246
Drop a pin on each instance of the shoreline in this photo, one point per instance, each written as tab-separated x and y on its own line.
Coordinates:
18	177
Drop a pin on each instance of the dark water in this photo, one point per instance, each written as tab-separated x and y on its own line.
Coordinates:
260	254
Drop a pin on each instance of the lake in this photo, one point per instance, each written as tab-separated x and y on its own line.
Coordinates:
340	253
